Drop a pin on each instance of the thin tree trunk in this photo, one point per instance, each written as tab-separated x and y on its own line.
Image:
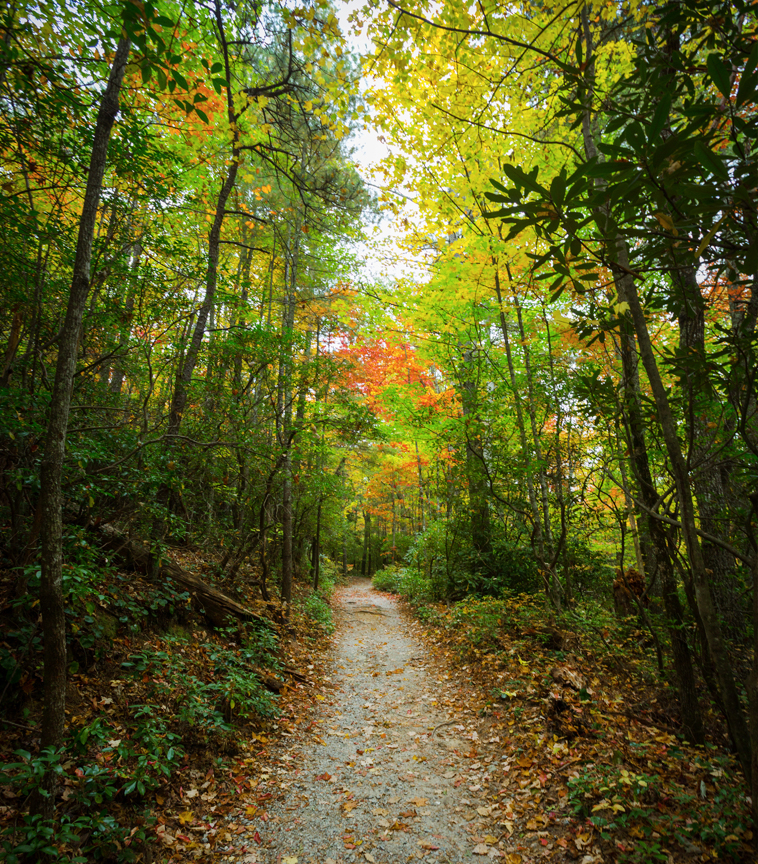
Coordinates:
284	420
707	480
51	585
532	411
734	715
627	292
525	450
481	538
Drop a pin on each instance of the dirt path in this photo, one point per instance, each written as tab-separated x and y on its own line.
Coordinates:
378	783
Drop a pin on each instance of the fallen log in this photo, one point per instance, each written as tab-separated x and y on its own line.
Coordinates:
220	610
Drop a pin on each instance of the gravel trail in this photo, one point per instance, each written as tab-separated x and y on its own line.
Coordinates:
396	771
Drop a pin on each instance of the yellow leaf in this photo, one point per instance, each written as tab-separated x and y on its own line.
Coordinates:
664	221
186	817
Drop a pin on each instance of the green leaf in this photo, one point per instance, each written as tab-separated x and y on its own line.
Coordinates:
660	118
709	160
180	80
558	189
147	72
721	74
202	115
524	180
747	90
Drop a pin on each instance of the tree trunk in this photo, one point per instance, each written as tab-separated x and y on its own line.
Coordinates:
284	418
525	450
368	544
481	538
627	292
51	585
532	411
707	480
735	717
184	376
692	722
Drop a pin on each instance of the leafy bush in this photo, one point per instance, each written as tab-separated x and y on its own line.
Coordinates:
415	587
233	689
388	579
83	833
615	799
318	610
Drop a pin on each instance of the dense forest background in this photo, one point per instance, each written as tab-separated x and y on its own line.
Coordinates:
554	397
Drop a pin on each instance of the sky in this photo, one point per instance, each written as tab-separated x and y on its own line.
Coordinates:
388	265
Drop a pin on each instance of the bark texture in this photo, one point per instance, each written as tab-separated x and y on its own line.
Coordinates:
50	504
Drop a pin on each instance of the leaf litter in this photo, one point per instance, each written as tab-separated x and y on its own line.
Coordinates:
426	763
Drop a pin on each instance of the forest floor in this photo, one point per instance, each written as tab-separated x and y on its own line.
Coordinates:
402	766
489	729
399	752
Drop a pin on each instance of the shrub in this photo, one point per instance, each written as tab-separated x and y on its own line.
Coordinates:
415	587
388	579
318	611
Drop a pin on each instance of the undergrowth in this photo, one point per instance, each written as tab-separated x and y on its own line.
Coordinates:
156	698
583	688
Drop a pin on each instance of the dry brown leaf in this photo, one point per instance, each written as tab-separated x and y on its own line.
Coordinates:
426	844
480	849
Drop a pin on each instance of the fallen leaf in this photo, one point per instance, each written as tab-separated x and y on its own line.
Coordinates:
290	859
385	823
425	844
380	811
419	802
369	857
483	811
186	817
481	849
490	840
